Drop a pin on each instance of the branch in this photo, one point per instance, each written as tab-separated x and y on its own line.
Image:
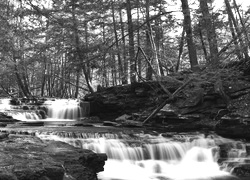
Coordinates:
156	75
168	100
152	18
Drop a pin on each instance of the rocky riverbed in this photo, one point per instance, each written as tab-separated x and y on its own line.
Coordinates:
210	102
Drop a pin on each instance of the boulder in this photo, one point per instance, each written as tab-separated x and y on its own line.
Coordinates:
242	171
25	157
234	126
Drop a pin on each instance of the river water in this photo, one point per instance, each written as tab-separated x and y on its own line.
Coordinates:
140	155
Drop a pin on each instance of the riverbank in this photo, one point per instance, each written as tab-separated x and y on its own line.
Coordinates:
210	101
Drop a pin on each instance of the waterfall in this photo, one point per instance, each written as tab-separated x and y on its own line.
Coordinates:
147	157
25	115
4	104
67	109
56	109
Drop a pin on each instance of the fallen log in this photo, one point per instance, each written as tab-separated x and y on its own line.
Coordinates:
168	100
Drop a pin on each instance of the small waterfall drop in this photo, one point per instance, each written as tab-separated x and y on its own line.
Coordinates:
50	110
5	104
25	115
147	157
70	109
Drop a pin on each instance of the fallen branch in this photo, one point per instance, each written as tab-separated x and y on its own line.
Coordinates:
168	100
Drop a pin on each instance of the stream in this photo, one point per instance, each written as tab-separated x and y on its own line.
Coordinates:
141	155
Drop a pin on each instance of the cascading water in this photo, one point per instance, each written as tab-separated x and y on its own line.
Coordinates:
147	157
67	109
5	104
139	156
57	110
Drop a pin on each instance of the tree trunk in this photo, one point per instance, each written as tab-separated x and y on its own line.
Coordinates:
117	46
230	13
189	34
242	23
181	44
125	60
138	59
79	55
149	70
202	42
131	44
20	83
158	38
211	34
237	48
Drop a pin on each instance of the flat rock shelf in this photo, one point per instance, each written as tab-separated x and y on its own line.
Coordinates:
26	157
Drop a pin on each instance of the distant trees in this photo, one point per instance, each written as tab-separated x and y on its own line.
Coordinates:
64	48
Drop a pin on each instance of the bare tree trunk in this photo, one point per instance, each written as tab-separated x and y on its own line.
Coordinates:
237	48
242	23
230	13
202	42
149	70
117	46
189	34
181	44
19	82
211	35
138	59
131	44
125	60
158	38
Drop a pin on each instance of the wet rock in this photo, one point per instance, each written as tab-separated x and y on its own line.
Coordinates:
248	149
25	108
3	136
167	110
83	124
234	126
42	114
93	161
3	124
29	158
110	123
91	119
242	171
32	123
124	117
131	123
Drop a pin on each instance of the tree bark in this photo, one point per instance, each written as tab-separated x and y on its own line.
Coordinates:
117	46
211	34
79	54
181	44
202	42
149	53
189	34
242	23
125	60
243	46
131	44
237	48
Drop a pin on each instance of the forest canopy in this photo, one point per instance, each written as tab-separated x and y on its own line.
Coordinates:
67	48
